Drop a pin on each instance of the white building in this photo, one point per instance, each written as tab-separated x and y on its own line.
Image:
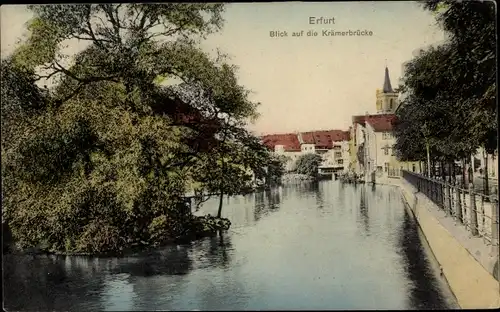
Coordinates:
380	154
291	154
331	145
490	160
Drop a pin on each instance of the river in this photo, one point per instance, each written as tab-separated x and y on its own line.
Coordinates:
312	246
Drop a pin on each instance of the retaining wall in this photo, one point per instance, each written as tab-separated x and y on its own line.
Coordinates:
468	264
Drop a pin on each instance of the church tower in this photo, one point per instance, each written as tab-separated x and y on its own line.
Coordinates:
387	99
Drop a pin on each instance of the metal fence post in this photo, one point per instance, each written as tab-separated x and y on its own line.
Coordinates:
473	212
494	226
458	207
450	198
431	189
443	195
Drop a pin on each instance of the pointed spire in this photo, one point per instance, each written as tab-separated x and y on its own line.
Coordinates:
387	82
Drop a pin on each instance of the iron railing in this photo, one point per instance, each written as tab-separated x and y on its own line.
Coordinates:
394	173
476	211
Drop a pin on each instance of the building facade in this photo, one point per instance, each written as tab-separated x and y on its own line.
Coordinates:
331	145
372	137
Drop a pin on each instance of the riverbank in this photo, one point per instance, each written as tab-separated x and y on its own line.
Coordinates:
467	262
290	178
198	228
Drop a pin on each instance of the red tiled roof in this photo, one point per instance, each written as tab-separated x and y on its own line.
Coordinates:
321	139
288	140
361	119
381	122
325	138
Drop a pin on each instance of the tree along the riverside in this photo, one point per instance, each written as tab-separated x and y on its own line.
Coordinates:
101	160
308	164
451	89
235	165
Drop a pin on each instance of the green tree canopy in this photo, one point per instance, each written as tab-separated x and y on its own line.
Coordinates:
449	90
308	164
102	159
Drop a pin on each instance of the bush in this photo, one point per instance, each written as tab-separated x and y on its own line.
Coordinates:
308	164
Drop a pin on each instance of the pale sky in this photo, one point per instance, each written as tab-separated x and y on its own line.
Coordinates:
304	83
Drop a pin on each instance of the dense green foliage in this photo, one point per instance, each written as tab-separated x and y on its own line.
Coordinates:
308	164
275	170
101	160
450	105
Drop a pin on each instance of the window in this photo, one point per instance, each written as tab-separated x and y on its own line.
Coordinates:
413	168
386	167
338	154
390	104
386	150
340	161
393	151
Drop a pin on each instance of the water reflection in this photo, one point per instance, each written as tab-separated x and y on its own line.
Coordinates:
173	260
44	283
426	290
303	188
318	191
265	202
288	248
363	209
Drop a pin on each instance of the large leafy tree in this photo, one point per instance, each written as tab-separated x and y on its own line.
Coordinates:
450	104
102	159
471	28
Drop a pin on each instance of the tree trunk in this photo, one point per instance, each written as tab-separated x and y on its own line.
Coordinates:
428	161
221	200
452	173
464	172
486	182
470	170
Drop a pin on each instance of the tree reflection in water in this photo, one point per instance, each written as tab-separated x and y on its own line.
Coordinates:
46	283
171	260
266	202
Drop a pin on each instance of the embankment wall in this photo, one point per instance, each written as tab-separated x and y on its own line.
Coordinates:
468	264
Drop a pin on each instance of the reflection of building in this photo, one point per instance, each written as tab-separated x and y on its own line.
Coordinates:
331	145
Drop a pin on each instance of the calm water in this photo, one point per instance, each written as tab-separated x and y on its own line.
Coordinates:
315	246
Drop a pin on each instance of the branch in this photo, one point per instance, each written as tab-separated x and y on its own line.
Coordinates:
108	10
91	33
38	77
166	33
69	96
84	80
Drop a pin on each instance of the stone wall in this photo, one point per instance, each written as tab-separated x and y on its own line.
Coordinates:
467	262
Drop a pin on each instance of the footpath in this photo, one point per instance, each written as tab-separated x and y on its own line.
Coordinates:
468	264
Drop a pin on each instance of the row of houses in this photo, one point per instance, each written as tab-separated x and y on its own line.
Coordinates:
331	145
367	147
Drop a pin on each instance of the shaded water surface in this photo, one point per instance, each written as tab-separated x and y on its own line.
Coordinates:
313	246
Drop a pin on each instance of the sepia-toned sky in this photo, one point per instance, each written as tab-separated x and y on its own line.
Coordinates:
304	83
